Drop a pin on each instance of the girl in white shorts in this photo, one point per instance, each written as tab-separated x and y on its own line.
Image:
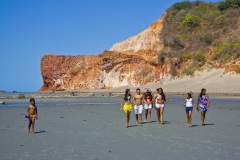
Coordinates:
148	106
159	100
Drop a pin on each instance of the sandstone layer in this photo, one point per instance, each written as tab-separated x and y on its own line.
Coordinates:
133	61
107	70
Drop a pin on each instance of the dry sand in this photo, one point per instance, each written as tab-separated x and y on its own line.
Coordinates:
90	129
215	81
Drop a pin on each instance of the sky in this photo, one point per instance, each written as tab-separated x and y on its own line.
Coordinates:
29	29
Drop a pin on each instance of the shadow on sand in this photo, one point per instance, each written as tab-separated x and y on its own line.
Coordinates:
164	122
167	122
41	131
208	124
195	126
132	126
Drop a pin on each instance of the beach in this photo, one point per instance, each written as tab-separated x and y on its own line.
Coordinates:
92	128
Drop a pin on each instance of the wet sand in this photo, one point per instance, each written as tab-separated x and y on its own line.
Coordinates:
93	129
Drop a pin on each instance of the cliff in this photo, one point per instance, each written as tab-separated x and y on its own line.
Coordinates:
106	70
187	38
133	61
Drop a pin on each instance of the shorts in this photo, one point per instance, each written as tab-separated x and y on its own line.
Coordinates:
159	105
188	109
148	106
127	107
202	108
138	109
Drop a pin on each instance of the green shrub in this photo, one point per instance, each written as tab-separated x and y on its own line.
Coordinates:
188	56
190	70
229	4
220	20
191	20
227	58
182	5
227	48
199	57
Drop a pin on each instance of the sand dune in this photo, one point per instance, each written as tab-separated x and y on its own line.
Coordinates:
215	81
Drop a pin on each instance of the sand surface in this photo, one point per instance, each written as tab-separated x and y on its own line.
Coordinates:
93	129
215	81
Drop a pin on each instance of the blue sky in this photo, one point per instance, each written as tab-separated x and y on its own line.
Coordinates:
31	28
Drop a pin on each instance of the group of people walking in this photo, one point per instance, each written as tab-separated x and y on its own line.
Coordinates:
158	102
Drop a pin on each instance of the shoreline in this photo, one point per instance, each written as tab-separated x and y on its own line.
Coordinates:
98	94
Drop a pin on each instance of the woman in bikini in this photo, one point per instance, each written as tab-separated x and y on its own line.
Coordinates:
127	106
203	104
148	106
159	100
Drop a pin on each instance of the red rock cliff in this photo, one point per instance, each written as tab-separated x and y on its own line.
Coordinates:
133	61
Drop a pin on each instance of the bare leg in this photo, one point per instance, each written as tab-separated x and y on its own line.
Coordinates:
29	124
149	115
158	115
146	114
161	114
203	117
126	119
140	118
33	124
190	119
136	118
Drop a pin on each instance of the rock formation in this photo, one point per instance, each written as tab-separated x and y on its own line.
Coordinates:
133	61
166	48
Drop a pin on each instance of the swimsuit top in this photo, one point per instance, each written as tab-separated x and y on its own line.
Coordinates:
127	98
148	98
203	100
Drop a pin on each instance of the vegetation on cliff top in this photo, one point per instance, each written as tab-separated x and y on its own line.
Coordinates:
192	29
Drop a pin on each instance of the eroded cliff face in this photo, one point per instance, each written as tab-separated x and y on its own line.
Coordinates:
133	61
107	70
149	39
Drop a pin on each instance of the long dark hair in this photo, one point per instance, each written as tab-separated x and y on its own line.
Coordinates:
162	94
126	93
203	89
150	94
189	94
